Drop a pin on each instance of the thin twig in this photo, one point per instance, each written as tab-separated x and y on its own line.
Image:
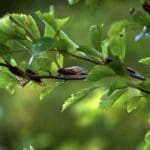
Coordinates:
143	90
79	57
34	77
62	77
84	58
138	87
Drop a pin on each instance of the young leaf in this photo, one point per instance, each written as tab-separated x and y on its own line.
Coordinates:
147	141
118	66
142	18
28	23
117	84
146	84
61	44
47	90
49	31
118	46
42	45
75	98
116	35
13	62
64	36
90	52
61	22
41	64
60	60
51	9
71	2
145	61
100	72
108	100
133	103
96	36
49	18
7	81
10	31
5	52
116	28
54	68
104	47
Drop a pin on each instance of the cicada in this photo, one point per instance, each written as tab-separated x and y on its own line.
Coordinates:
73	70
146	6
135	74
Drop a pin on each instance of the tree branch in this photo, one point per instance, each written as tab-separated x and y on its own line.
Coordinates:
84	58
133	73
60	77
30	75
143	90
79	57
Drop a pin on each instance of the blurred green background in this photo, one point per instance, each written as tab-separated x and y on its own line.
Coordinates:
25	120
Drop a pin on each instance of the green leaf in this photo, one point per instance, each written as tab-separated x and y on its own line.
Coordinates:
5	52
28	23
75	98
49	31
146	84
108	100
54	68
118	66
13	62
90	52
96	36
116	28
7	81
117	84
100	72
49	19
142	18
9	30
118	45
51	9
64	36
61	44
41	64
133	103
105	46
147	141
71	2
47	90
42	45
145	61
116	35
61	22
60	60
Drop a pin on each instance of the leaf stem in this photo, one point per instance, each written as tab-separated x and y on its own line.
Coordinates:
79	57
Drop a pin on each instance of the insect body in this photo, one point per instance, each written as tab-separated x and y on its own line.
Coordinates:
146	6
74	70
135	74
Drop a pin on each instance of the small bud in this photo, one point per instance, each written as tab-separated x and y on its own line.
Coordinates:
107	60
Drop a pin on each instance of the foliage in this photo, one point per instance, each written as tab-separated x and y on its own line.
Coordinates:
46	52
54	45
